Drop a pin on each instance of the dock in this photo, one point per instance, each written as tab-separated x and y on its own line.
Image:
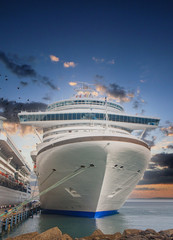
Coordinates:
8	222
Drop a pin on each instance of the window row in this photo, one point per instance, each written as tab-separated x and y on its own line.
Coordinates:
88	116
75	102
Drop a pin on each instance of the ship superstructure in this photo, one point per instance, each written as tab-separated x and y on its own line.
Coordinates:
14	172
88	131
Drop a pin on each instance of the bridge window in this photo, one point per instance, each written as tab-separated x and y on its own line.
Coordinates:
93	116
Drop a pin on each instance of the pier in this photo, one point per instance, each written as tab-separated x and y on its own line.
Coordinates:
8	222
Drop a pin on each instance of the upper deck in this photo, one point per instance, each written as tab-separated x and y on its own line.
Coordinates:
47	119
84	103
84	109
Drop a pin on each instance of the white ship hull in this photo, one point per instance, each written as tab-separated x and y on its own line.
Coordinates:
9	196
87	131
119	163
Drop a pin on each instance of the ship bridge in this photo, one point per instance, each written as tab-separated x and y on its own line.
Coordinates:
87	116
86	108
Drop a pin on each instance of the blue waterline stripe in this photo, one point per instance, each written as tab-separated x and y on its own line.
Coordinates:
80	213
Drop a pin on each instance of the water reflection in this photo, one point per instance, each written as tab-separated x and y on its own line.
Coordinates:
112	224
134	214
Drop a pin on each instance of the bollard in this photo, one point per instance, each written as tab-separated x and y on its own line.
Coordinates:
36	210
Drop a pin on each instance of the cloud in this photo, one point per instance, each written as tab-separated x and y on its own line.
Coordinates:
54	58
163	160
10	109
168	131
161	171
24	84
98	77
145	189
47	97
25	70
98	60
69	64
22	130
146	135
136	104
169	146
46	81
115	91
111	62
101	60
72	83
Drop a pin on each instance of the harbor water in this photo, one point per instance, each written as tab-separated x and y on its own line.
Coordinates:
140	214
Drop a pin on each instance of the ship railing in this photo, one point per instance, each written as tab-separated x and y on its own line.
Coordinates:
5	182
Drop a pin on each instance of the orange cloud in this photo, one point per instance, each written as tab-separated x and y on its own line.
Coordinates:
115	93
153	191
13	128
54	58
72	83
69	64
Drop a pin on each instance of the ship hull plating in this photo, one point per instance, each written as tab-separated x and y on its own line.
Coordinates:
9	196
117	166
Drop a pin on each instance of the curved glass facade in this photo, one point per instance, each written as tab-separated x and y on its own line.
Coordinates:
85	102
87	116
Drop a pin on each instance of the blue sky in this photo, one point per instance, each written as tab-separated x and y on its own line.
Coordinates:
131	42
121	45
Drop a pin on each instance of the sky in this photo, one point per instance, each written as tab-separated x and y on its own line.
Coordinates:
124	47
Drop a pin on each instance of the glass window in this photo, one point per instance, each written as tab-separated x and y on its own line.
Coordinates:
83	116
97	116
125	119
101	116
78	115
65	116
37	117
70	116
74	116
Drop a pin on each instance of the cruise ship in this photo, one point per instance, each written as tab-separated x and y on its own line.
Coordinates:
88	132
14	172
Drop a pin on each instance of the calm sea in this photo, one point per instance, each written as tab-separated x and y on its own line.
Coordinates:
140	214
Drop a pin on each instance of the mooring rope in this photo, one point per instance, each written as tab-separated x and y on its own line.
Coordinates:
68	177
53	170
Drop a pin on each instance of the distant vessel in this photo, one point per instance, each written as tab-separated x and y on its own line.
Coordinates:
88	131
14	172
